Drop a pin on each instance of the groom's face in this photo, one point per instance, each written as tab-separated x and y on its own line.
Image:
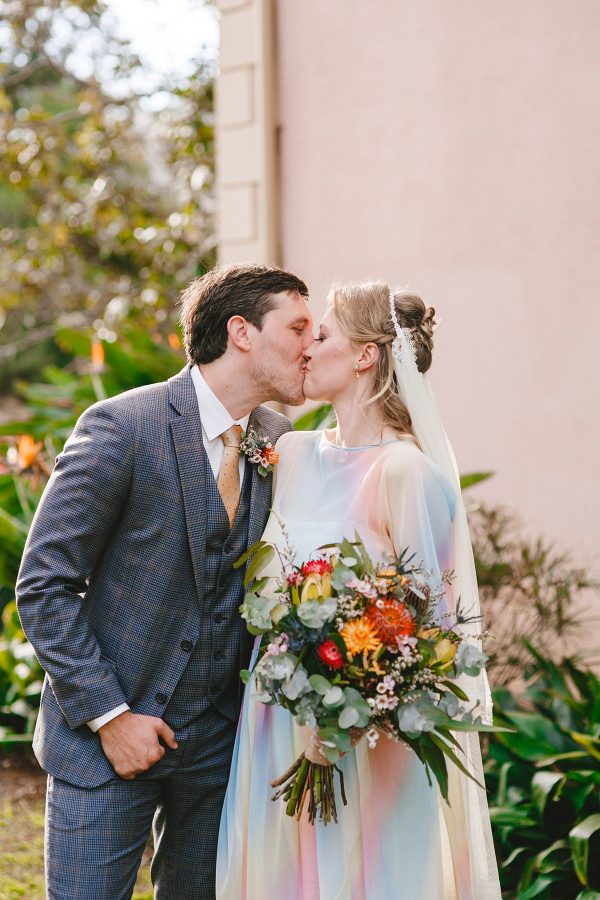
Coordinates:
278	349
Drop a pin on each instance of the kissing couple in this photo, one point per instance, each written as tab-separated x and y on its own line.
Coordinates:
129	595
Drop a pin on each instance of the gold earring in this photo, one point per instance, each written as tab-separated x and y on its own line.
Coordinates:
358	370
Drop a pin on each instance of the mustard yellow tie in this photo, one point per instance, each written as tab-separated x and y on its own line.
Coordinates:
228	482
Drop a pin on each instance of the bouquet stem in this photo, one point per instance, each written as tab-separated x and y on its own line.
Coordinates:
315	781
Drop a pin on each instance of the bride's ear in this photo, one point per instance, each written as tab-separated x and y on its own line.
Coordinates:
368	357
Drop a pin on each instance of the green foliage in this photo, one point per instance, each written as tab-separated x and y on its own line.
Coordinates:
529	591
105	206
21	678
467	481
310	421
545	783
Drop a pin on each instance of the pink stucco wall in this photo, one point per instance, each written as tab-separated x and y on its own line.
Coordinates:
455	147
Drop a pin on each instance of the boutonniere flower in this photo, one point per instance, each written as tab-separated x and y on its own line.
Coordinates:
259	451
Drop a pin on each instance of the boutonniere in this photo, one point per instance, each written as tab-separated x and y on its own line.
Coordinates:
260	451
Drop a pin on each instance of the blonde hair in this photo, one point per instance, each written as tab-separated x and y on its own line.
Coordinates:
362	310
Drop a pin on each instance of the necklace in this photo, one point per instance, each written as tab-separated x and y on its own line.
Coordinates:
336	443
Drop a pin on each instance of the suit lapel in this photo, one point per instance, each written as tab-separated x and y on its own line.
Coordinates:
189	450
186	428
260	492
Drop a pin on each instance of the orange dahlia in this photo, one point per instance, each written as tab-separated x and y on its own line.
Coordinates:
392	620
360	635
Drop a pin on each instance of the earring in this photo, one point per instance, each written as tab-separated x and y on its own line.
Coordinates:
358	370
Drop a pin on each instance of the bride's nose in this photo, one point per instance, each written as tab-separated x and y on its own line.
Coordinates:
309	350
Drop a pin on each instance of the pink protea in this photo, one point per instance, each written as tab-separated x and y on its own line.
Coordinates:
329	654
318	566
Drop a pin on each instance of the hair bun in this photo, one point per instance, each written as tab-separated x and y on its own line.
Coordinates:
412	313
428	322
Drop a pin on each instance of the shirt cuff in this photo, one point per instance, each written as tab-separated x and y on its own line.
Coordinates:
97	723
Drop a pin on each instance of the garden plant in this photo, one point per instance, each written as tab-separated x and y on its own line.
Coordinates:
544	781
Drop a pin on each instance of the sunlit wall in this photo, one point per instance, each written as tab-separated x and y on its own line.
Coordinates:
453	147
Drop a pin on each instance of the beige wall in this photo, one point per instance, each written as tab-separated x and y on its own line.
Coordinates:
452	147
455	147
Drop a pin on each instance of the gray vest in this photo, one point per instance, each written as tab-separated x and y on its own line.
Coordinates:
212	675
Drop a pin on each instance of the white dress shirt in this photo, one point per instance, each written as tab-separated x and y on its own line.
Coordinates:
215	420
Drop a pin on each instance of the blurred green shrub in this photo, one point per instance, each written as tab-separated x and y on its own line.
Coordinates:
529	592
21	679
106	202
544	781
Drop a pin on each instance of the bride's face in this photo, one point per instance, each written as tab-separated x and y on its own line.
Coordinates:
330	362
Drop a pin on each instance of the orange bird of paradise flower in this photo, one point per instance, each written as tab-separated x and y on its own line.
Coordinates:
27	450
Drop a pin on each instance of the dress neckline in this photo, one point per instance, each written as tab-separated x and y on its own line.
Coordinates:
329	443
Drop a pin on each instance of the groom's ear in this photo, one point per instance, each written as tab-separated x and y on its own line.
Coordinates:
238	330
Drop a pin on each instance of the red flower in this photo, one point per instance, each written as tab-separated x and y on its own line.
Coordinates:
329	654
319	566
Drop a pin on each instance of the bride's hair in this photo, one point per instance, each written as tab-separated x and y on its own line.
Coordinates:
362	310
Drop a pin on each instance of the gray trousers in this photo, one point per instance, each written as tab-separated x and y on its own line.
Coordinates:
95	837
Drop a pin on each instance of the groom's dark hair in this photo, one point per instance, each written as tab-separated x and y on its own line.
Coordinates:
209	302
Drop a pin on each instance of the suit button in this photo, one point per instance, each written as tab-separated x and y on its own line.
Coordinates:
161	698
214	689
217	654
218	618
227	548
186	645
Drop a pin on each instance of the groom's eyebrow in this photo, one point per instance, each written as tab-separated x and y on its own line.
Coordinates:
301	320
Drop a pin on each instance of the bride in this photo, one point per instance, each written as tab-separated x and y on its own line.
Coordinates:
386	471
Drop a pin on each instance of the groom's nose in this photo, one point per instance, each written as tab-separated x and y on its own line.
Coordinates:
307	340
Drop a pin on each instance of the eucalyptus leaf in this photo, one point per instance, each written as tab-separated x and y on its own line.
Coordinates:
341	576
319	684
332	754
348	717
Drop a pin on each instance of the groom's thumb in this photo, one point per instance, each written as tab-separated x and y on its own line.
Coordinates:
167	734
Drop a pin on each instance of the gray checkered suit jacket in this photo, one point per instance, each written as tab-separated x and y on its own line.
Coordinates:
112	575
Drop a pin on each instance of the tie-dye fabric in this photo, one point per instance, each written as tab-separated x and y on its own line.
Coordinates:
394	840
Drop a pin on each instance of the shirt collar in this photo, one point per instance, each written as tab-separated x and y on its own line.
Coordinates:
213	415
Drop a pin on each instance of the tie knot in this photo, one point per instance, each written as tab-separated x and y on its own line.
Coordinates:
232	437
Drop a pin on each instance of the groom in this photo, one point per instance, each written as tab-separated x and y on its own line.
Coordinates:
128	594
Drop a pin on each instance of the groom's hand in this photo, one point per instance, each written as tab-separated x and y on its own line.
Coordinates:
130	742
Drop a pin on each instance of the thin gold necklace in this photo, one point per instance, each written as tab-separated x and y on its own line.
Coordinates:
378	444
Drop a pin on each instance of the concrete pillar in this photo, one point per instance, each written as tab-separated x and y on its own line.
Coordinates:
246	151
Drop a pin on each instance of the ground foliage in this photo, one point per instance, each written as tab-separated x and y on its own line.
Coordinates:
545	783
105	206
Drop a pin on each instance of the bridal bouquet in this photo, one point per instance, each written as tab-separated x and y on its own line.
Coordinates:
353	649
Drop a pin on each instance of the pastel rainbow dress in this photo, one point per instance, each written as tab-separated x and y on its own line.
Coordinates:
396	839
